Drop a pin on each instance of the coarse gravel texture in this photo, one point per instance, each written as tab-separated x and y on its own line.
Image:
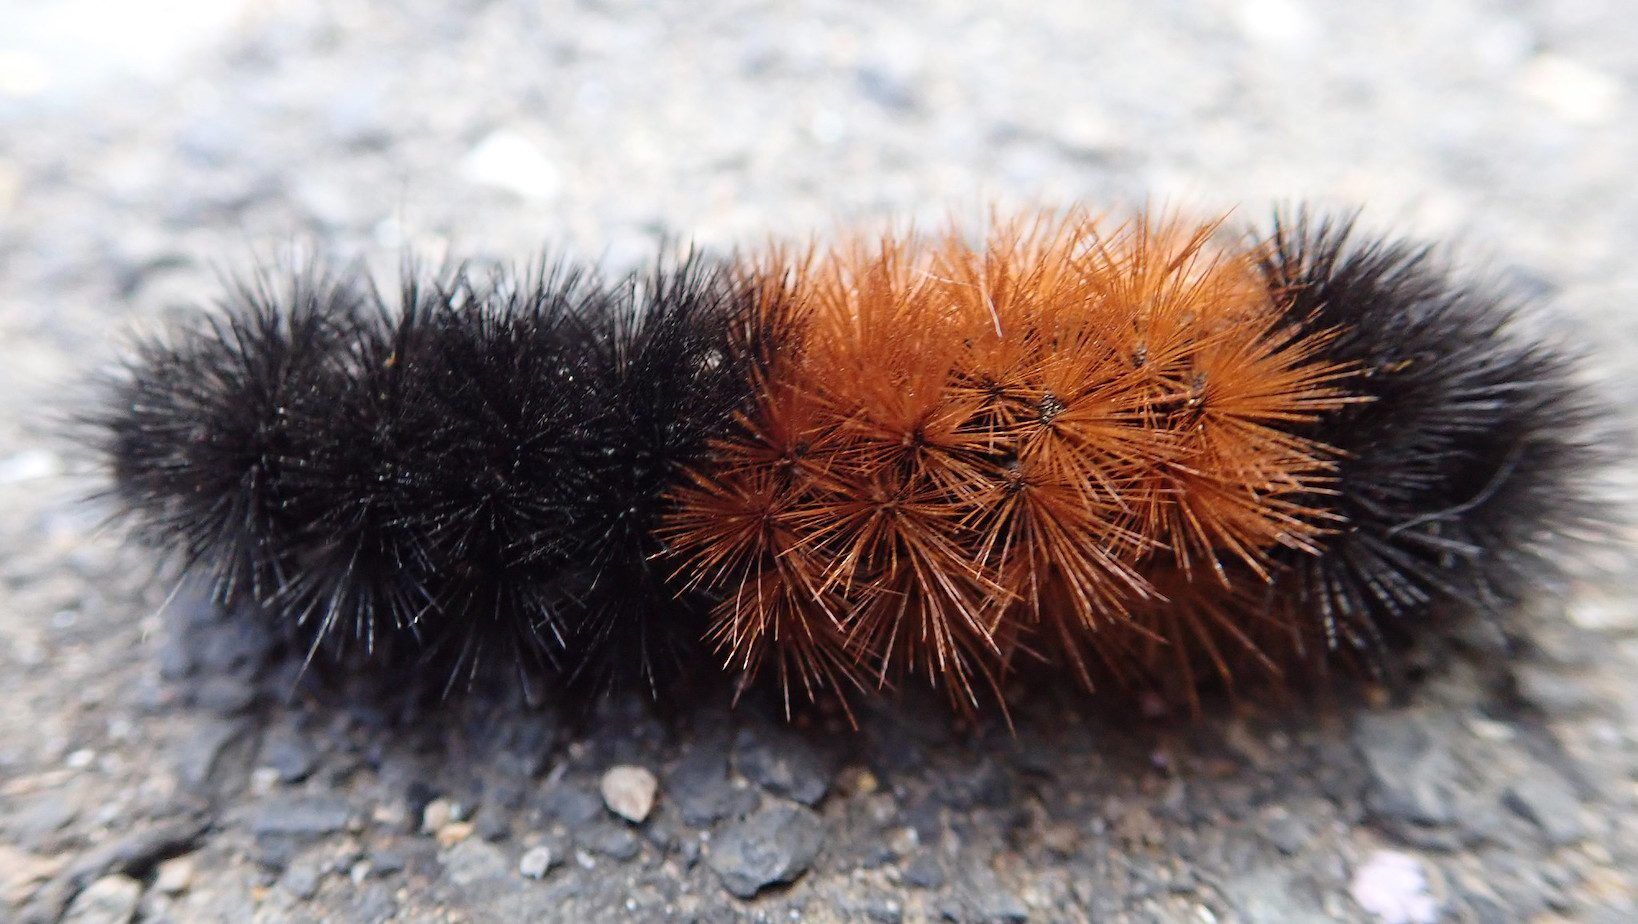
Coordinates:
155	764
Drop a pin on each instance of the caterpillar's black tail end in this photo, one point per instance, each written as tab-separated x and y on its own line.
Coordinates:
1466	467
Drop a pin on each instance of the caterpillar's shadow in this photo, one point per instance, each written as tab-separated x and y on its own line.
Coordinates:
905	786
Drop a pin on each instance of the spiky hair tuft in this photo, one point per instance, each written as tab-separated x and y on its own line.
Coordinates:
458	479
1465	454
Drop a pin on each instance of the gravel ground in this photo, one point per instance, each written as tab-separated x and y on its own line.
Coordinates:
156	763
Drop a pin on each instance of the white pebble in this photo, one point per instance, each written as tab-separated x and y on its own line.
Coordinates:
174	876
438	814
536	861
507	160
109	900
1392	887
629	792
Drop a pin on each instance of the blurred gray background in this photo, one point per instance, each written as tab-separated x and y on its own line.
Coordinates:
145	145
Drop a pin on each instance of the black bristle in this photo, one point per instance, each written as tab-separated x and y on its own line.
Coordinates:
462	482
362	478
668	366
1465	459
199	425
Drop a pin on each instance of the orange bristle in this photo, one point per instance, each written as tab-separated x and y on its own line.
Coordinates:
970	452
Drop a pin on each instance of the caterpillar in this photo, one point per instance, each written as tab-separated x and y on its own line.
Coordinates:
1133	453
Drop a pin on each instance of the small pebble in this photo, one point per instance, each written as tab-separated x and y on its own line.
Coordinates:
629	792
775	845
858	781
453	833
288	753
302	878
509	161
611	840
783	762
570	805
536	861
109	900
438	814
474	860
1392	887
388	815
174	876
